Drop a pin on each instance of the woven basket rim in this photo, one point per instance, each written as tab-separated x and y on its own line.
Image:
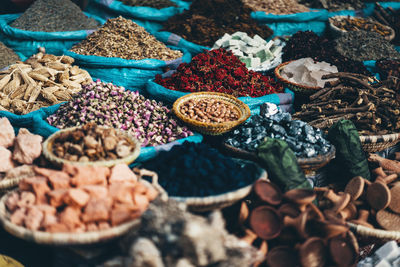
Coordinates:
277	72
374	233
301	161
10	183
48	153
67	239
212	128
391	137
341	17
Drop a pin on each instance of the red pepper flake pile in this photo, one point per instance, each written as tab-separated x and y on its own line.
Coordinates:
219	71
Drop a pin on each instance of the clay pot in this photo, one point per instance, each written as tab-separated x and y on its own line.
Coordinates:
342	251
282	256
339	201
267	192
356	187
313	253
266	222
301	197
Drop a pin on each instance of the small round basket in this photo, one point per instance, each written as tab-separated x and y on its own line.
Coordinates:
49	155
369	235
67	239
338	32
212	128
377	143
209	203
297	88
306	164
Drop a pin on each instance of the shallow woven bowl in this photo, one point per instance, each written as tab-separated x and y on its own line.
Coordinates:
306	164
64	239
377	143
48	151
212	128
337	31
297	88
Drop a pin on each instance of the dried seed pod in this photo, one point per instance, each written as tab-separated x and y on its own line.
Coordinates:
57	65
67	59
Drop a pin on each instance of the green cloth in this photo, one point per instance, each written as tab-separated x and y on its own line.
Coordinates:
281	164
350	160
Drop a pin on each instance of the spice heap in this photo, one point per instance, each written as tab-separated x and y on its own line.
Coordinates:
304	140
292	231
386	255
210	110
361	45
207	20
277	6
255	52
79	199
108	105
334	5
308	44
92	143
307	72
219	71
42	80
360	24
197	170
17	153
373	108
122	38
7	56
169	236
153	3
388	68
54	16
389	17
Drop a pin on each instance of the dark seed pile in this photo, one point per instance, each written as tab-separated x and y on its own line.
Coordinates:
362	45
334	5
303	139
54	16
388	68
152	3
199	170
7	56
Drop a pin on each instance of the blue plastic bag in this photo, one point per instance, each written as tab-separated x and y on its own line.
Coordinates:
176	40
131	74
292	23
142	12
394	5
26	43
167	96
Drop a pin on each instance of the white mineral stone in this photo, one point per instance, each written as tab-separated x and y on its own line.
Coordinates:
258	38
389	251
306	72
241	35
382	263
396	262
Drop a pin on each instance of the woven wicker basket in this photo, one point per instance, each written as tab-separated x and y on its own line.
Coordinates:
8	184
297	88
48	151
376	143
374	235
306	164
64	239
338	32
212	128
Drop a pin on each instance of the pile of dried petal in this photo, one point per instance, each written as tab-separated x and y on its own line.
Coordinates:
125	39
105	104
169	236
79	199
373	108
276	6
92	143
42	80
292	231
17	153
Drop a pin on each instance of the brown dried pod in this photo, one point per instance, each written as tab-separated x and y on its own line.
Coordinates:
363	219
266	222
289	209
267	192
342	251
282	256
325	229
243	212
301	197
339	201
249	236
388	220
313	253
298	223
378	195
349	213
395	200
356	187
